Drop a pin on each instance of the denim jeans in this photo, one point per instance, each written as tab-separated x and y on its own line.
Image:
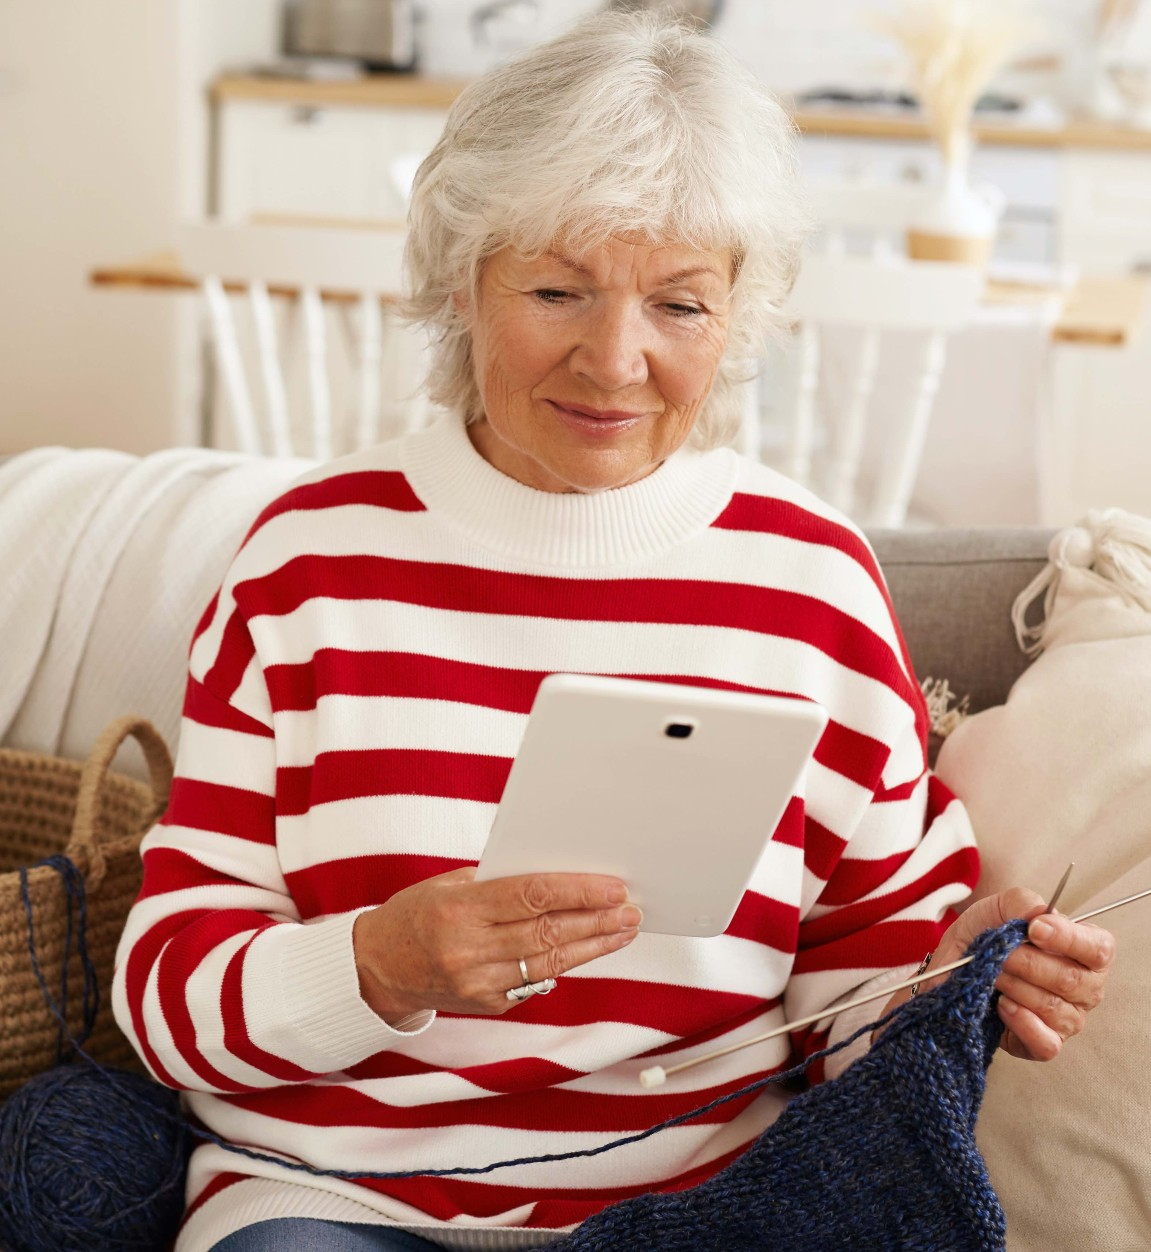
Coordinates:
307	1234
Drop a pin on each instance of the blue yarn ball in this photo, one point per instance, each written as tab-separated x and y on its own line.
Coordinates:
91	1158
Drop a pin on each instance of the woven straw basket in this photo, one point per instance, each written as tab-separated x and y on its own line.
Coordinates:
97	818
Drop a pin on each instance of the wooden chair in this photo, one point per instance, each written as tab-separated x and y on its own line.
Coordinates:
857	283
351	275
871	296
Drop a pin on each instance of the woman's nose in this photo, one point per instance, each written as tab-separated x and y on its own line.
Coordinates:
612	349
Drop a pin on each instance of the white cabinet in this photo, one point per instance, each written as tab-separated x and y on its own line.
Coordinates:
318	161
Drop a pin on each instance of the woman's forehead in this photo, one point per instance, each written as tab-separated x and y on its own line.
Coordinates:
663	261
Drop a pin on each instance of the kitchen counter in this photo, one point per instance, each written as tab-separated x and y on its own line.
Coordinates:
417	91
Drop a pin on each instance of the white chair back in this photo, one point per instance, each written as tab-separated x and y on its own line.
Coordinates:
871	295
354	274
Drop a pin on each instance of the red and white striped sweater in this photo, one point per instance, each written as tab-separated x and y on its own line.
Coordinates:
357	691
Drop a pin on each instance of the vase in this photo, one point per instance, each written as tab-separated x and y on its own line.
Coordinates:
959	223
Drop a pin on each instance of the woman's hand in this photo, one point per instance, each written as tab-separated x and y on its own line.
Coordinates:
452	944
1048	986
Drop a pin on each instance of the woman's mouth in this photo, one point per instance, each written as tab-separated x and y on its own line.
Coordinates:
594	421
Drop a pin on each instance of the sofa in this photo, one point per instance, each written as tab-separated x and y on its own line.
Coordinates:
111	559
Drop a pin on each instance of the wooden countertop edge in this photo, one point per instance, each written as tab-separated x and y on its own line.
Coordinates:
1099	312
416	91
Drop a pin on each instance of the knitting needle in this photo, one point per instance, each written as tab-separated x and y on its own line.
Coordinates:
656	1076
1059	890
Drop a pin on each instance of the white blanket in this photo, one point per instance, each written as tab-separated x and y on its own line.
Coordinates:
109	561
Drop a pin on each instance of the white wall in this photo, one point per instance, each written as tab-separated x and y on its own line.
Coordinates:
103	147
88	174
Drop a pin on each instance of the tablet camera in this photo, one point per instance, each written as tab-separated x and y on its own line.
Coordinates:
678	730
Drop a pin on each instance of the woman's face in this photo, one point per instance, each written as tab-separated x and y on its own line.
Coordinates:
593	369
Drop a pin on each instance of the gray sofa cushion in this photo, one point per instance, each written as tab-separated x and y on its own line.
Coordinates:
953	591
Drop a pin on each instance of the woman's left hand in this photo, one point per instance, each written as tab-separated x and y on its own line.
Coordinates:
1048	986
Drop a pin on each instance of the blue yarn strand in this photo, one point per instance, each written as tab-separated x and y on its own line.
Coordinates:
104	1147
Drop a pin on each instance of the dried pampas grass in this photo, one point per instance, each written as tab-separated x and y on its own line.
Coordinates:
954	48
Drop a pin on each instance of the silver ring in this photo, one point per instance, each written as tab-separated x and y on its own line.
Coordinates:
542	988
524	973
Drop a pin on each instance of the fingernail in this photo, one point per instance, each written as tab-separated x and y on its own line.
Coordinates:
1040	930
1008	1006
629	917
616	894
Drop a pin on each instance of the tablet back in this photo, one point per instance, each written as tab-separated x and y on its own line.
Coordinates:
674	789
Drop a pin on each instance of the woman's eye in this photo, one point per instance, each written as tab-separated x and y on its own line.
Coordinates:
683	310
551	295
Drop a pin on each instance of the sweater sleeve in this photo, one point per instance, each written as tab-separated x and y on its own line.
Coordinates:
883	896
219	984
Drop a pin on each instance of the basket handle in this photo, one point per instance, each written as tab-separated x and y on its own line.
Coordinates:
92	777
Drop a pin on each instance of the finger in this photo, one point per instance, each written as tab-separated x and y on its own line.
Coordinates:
1062	1016
1028	1036
530	895
1087	945
556	962
553	930
1059	975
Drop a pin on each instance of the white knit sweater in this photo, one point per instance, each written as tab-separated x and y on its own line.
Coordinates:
357	692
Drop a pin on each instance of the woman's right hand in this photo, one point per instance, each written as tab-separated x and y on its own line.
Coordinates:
452	944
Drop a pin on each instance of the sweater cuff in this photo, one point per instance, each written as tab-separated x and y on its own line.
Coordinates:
846	1024
302	998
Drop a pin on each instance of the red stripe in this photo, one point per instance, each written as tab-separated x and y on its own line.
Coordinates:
233	657
390	771
766	921
553	1110
207	709
767	515
855	879
960	867
764	611
334	671
218	1184
445	1198
223	810
763	1009
236	1038
143	955
675	1010
206	617
406	675
821	848
362	881
178	961
384	489
883	946
169	869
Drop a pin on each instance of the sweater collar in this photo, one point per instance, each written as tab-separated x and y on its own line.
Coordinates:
676	501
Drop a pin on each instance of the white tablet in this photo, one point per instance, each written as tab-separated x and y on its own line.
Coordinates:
676	790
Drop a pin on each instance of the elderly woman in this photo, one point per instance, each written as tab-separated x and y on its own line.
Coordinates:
599	243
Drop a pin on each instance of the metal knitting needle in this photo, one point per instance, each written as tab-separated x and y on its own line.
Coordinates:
1059	890
656	1076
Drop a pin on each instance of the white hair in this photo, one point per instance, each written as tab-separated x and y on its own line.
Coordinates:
631	123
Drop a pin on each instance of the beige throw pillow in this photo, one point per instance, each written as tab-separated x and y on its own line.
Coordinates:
1062	772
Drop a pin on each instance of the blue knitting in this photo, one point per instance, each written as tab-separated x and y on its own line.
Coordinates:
882	1159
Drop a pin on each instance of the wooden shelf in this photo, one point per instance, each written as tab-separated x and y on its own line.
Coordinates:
412	91
416	91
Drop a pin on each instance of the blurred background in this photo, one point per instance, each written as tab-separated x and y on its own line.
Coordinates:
124	121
